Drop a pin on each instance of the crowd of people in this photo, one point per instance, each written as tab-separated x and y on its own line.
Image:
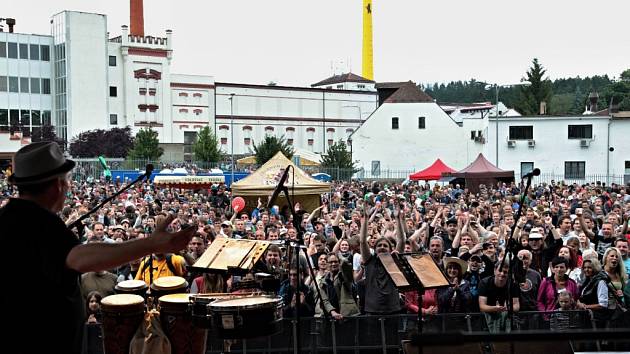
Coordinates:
570	246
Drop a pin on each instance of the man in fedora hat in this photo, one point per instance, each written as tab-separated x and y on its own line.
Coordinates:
42	177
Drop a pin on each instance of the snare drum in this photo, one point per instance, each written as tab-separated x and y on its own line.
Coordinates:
168	285
122	315
246	316
137	287
201	307
175	316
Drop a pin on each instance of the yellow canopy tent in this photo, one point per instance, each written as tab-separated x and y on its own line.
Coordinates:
262	182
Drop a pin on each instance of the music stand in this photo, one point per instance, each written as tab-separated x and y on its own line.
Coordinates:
414	271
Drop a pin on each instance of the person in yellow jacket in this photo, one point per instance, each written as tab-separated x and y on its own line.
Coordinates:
164	265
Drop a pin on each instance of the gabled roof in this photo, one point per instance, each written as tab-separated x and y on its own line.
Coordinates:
337	79
389	85
408	93
264	180
431	173
480	165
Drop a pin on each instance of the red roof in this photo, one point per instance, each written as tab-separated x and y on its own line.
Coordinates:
432	172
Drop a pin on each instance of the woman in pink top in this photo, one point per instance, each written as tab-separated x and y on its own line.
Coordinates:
557	282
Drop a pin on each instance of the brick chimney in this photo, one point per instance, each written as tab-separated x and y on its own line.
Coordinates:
136	15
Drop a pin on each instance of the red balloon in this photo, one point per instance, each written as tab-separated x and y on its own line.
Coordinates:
238	204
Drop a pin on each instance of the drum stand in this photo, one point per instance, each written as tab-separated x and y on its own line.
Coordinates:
297	245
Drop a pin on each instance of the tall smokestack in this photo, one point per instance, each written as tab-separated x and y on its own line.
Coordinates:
367	64
136	15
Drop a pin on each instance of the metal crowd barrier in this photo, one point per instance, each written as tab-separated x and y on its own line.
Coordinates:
384	334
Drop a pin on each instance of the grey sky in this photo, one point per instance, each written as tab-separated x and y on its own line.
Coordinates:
293	42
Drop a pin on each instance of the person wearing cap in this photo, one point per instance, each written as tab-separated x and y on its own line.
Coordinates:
42	177
226	229
457	297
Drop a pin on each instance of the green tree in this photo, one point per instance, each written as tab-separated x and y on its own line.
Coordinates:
617	94
539	91
338	161
206	148
269	147
146	145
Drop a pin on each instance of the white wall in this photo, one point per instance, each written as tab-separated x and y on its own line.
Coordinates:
409	148
619	131
87	84
552	145
286	108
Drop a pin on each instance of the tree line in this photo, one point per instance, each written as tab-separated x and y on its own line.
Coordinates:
563	96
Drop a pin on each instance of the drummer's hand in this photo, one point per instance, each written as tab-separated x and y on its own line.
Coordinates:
165	242
92	319
336	315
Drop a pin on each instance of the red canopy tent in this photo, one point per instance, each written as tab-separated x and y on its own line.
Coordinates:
432	172
480	171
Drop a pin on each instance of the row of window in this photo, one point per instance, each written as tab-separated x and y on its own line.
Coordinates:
572	169
24	85
290	141
24	117
26	51
270	129
396	124
526	132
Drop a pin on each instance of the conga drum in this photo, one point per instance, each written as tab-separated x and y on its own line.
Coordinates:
122	315
136	287
246	316
176	319
168	285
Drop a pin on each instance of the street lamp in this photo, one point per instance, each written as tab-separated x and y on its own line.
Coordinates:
496	113
232	144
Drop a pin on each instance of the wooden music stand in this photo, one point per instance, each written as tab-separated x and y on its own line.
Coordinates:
414	271
228	255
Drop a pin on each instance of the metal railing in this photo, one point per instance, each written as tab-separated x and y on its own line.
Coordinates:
383	333
92	168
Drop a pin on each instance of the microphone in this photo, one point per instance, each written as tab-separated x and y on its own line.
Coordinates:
534	172
148	170
279	187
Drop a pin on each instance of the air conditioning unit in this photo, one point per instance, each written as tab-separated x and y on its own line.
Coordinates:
585	143
511	143
531	143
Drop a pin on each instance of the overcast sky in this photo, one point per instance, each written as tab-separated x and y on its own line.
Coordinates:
295	42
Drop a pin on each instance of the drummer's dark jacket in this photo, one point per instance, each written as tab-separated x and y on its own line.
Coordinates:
52	315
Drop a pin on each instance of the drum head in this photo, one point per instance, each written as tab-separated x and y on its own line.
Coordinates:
182	298
131	285
122	300
166	283
246	302
208	298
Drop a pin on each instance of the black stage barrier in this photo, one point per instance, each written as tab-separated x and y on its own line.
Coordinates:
533	332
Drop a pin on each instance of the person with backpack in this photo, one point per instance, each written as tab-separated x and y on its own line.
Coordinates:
162	265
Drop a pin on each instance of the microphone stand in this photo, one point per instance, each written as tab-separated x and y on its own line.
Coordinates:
297	245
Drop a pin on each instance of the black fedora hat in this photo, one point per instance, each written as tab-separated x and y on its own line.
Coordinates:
39	162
